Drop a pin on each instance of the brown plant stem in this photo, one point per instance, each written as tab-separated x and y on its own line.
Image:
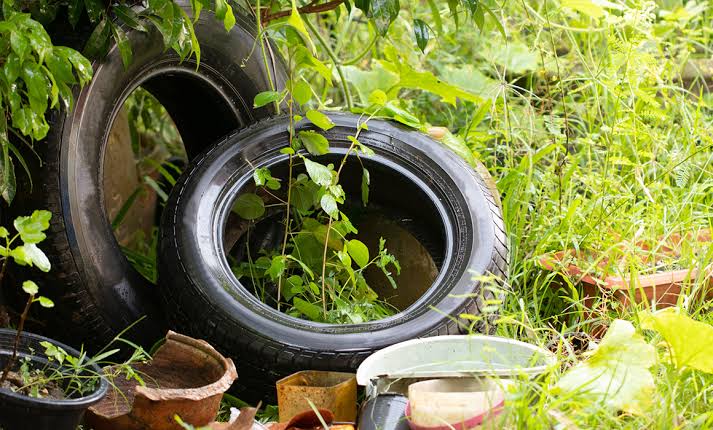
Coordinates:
290	106
313	7
324	267
16	345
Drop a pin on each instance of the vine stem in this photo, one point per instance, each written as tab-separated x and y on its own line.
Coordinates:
335	60
329	228
16	345
290	107
324	267
261	36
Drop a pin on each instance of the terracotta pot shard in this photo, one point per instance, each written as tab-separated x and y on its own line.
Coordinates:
186	377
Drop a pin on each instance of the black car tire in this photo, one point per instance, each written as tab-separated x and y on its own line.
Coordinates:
98	293
203	298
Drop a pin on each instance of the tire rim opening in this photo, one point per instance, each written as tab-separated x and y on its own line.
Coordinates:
398	209
146	152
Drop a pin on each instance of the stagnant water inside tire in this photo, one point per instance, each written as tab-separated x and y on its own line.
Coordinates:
398	210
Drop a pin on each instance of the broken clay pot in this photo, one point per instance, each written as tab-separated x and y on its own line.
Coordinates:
187	377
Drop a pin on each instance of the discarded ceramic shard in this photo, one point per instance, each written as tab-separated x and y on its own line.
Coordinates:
186	377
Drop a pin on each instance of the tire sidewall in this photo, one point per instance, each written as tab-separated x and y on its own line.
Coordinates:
79	138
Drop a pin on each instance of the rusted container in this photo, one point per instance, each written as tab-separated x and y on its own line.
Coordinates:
334	391
186	377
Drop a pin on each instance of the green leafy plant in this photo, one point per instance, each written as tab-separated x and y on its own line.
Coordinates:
319	270
39	76
64	375
30	231
321	264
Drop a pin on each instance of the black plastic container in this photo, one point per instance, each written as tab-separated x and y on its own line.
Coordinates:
384	412
20	412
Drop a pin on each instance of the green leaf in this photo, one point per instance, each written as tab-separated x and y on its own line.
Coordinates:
302	198
54	352
163	18
122	42
301	92
365	181
229	20
12	67
30	288
422	33
263	178
60	67
3	232
295	21
9	8
378	97
305	59
195	45
311	311
128	17
293	286
319	119
277	267
266	97
320	174
45	302
314	142
81	64
35	257
364	5
98	40
334	241
384	12
31	228
359	252
436	15
400	115
197	7
94	9
221	9
20	44
496	19
410	78
329	205
617	373
690	341
249	206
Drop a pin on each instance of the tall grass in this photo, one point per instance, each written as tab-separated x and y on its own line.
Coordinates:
597	128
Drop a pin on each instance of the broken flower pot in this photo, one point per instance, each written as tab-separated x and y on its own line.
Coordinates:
662	288
186	377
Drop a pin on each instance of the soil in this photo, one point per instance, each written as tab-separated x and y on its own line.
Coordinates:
48	390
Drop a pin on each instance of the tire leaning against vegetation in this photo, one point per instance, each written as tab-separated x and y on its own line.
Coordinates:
98	293
203	298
